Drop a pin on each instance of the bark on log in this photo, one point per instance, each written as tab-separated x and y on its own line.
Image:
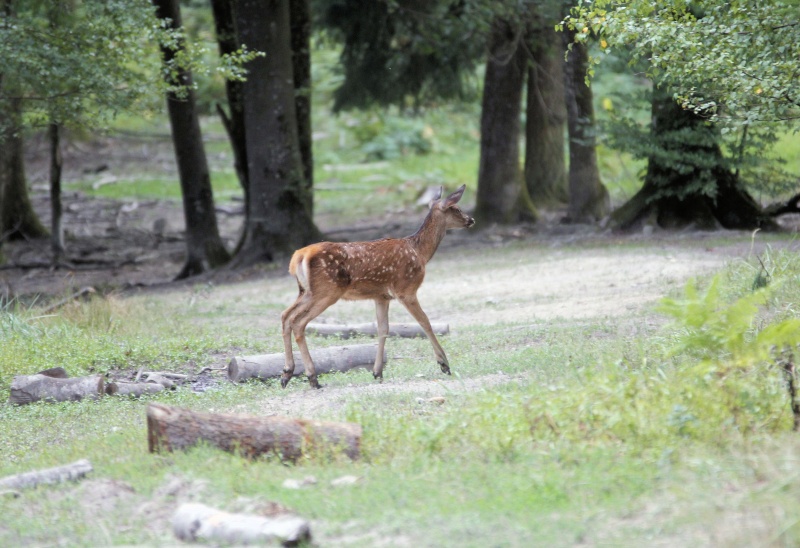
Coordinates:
134	389
68	472
30	388
197	522
405	330
55	372
334	358
174	428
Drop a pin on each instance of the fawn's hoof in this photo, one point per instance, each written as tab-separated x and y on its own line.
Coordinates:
314	382
378	376
285	380
445	368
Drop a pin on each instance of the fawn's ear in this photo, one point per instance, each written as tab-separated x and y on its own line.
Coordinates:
436	198
454	197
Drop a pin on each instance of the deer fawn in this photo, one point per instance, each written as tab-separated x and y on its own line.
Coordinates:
380	270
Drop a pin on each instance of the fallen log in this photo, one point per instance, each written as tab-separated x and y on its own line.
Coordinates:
405	330
334	358
197	522
161	380
134	389
30	388
175	428
68	472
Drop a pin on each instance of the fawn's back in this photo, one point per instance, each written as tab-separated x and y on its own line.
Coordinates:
359	270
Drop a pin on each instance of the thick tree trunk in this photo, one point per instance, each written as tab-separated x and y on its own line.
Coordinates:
280	220
56	228
300	22
173	428
687	182
500	197
204	247
228	43
194	522
546	115
588	198
30	388
336	358
19	219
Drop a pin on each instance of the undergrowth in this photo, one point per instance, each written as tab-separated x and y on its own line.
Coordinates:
583	438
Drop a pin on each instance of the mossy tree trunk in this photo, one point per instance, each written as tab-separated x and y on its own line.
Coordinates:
204	247
280	217
688	181
501	196
19	220
300	22
588	197
546	115
233	120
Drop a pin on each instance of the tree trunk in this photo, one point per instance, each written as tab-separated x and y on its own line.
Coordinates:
30	388
173	428
204	247
500	198
56	227
588	198
546	114
280	220
300	23
336	358
19	219
194	522
228	43
687	182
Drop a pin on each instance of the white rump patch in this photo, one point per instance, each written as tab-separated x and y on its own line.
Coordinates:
302	273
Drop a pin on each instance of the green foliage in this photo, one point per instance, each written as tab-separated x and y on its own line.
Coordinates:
78	63
398	52
733	60
384	138
713	330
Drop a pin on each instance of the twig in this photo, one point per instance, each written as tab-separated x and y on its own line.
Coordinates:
77	295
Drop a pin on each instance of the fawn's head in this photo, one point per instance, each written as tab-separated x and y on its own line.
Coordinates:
454	216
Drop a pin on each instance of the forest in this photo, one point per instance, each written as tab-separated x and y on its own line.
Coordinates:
619	312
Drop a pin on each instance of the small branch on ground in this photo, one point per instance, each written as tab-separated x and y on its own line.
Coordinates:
69	472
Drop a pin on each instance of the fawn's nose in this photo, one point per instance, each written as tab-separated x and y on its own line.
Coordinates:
470	222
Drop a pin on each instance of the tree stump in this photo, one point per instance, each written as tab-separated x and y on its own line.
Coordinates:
404	330
194	522
334	358
174	428
30	388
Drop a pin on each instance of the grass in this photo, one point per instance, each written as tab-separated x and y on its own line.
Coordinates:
614	440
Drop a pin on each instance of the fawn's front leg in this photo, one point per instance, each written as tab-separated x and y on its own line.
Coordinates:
412	305
382	317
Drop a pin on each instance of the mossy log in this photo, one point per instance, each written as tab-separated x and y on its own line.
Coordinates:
30	388
334	358
404	330
194	522
174	428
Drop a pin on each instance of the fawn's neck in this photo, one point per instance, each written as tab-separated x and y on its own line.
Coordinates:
427	239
